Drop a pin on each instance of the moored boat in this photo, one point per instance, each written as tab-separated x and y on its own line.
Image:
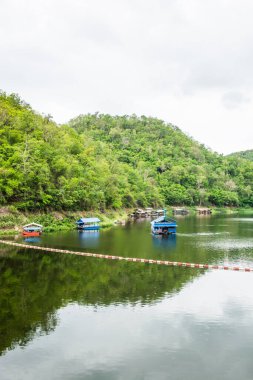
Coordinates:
32	229
163	225
86	224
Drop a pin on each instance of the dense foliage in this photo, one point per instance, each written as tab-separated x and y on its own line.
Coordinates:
101	161
247	154
184	171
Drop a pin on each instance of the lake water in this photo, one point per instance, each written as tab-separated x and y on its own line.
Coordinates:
72	317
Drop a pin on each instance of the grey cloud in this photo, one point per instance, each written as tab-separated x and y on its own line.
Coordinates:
234	99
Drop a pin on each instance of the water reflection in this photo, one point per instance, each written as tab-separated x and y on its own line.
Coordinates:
32	239
164	241
89	238
34	286
190	335
121	320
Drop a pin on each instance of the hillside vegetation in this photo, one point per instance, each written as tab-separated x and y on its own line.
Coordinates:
102	161
247	154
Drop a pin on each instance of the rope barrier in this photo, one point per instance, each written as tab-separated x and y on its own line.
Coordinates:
130	259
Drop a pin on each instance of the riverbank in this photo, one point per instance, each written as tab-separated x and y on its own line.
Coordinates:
11	220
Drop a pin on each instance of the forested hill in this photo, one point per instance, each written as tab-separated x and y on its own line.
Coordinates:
247	154
184	171
101	161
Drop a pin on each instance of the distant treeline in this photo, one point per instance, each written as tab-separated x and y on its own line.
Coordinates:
102	161
247	154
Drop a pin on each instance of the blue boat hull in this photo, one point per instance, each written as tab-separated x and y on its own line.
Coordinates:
164	231
89	228
163	228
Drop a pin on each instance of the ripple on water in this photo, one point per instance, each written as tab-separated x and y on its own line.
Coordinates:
230	244
217	225
250	220
198	234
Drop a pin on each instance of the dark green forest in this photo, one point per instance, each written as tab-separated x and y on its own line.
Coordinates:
101	161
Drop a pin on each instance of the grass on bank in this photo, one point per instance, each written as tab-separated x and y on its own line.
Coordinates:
11	220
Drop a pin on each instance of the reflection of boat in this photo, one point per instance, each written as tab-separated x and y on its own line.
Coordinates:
88	224
165	241
89	238
163	225
89	234
32	229
32	239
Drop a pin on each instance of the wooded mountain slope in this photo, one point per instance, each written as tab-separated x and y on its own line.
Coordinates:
101	161
247	154
184	171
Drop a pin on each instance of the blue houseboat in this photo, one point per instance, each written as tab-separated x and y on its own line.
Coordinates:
88	224
163	225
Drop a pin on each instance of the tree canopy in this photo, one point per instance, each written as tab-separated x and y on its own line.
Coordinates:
247	154
102	161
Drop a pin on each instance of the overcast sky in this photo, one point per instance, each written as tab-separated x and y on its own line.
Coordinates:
188	62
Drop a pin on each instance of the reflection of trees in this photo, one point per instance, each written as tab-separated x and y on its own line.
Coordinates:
34	287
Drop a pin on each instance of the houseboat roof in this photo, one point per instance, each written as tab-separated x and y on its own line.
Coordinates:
88	220
163	219
33	225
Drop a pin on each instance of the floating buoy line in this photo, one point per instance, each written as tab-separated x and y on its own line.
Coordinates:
130	259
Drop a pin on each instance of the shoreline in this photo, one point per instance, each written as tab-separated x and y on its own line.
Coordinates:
11	220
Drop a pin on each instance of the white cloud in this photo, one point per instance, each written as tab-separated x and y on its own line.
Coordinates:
187	62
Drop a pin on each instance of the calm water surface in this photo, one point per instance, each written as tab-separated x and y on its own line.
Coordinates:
70	317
